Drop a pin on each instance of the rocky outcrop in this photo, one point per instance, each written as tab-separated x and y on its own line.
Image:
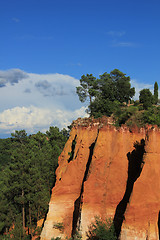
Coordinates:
142	218
107	172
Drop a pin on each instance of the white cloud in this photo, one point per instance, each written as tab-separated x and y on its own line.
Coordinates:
117	41
34	119
116	33
11	76
123	44
139	86
34	102
16	20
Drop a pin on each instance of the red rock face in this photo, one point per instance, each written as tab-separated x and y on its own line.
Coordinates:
103	172
142	214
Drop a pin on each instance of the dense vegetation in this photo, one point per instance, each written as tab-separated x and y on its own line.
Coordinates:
27	165
112	95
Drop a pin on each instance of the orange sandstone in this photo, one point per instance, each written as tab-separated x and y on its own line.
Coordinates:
102	173
142	214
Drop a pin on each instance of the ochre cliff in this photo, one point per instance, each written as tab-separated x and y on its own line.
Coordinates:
107	172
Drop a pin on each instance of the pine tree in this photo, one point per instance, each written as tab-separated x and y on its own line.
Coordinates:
155	92
27	179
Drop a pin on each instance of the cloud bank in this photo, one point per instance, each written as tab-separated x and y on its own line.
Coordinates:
35	102
34	119
11	76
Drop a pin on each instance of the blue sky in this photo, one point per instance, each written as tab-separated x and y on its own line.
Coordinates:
47	45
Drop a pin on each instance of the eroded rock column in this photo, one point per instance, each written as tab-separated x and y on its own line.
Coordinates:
70	176
106	184
142	213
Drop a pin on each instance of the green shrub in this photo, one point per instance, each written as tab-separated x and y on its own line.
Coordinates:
59	226
123	114
152	116
140	107
101	230
77	236
57	238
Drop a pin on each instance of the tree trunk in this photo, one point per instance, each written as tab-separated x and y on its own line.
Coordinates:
23	213
90	99
38	214
30	220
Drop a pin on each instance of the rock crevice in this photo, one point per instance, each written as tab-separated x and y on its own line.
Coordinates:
135	166
72	149
79	201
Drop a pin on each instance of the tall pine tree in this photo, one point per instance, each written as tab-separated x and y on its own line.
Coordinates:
155	92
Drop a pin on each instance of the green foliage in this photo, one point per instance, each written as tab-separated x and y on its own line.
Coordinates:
152	116
87	87
132	116
155	92
101	230
77	236
110	94
5	145
20	136
28	177
102	107
123	114
105	93
57	137
17	232
146	98
59	226
71	154
123	92
56	238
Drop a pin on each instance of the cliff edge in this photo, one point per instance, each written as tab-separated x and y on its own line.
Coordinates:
107	172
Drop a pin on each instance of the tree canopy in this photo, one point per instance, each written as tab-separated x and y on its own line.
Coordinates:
87	88
112	95
146	98
105	93
27	176
155	92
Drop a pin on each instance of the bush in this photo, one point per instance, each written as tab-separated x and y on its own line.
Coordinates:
123	114
59	226
57	238
101	230
77	236
152	116
103	107
146	98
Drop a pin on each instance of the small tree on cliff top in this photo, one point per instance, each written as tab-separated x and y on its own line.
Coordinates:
146	98
106	92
